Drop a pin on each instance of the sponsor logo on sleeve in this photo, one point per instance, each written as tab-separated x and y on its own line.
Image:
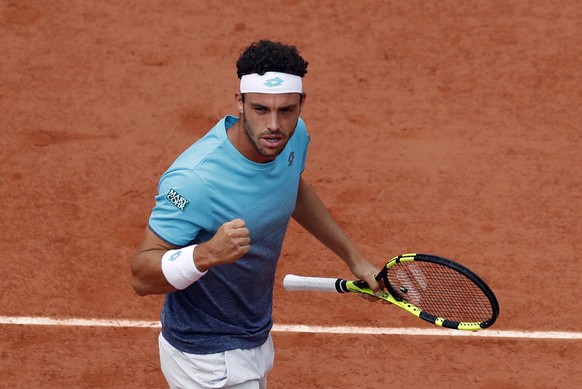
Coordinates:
177	199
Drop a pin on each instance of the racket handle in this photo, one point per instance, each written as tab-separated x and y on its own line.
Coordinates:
311	284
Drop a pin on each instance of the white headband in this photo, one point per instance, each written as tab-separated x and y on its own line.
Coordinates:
271	83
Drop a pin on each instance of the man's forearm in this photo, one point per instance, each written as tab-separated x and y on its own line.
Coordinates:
311	214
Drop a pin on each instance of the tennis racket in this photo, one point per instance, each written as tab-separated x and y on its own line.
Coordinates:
435	289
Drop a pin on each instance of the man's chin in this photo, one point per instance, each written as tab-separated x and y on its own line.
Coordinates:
270	154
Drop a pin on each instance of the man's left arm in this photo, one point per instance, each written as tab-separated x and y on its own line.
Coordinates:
311	214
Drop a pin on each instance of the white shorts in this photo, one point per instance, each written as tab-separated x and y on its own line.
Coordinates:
240	369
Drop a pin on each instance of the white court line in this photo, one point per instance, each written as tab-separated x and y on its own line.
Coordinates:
47	321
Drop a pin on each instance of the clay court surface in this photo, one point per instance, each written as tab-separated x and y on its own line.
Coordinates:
450	127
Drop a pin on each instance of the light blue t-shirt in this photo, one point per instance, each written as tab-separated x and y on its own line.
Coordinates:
209	184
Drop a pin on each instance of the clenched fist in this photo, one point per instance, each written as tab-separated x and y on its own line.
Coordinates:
231	241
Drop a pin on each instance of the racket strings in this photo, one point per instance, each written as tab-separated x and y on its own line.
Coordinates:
440	291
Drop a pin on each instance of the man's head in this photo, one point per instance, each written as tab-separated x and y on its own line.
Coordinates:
270	98
271	67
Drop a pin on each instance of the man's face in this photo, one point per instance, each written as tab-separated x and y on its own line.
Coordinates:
269	121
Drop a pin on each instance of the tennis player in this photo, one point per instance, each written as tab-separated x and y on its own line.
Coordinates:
215	234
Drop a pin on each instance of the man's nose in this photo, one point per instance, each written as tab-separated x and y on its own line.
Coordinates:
274	122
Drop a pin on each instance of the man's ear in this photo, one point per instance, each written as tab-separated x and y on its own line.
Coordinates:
239	102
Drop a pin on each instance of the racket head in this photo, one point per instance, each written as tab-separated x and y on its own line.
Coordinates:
440	291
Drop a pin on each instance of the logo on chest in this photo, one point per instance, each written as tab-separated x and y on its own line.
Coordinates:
291	158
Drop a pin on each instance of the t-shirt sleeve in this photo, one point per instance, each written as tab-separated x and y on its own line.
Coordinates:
182	208
304	139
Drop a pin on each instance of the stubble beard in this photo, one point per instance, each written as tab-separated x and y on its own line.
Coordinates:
254	139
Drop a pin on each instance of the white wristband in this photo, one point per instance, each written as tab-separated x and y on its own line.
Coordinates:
179	268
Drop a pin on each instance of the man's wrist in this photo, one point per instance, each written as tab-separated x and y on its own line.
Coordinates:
179	268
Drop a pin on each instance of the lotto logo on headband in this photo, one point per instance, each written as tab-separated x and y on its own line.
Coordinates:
274	82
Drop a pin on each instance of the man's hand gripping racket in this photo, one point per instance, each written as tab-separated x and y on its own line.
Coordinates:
432	288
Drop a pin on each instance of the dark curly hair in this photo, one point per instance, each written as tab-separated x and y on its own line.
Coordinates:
268	56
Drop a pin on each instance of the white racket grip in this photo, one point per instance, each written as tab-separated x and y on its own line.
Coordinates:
310	284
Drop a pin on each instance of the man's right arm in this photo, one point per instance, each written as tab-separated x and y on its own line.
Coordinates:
146	266
231	241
